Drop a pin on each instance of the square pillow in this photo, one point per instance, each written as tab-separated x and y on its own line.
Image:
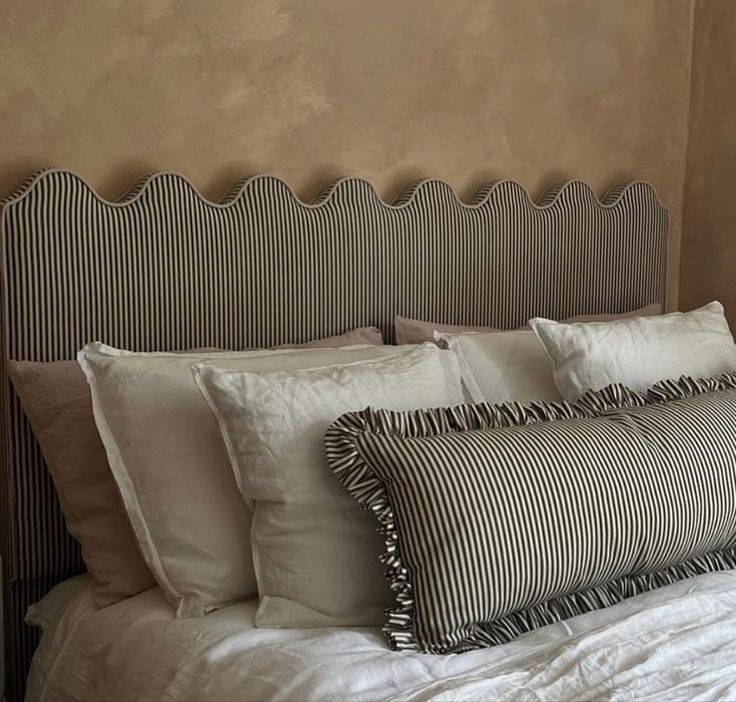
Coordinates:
316	554
637	352
167	461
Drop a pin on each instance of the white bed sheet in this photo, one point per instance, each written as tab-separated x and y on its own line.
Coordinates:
676	643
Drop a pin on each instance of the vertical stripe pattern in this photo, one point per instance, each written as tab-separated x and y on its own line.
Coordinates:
163	268
499	519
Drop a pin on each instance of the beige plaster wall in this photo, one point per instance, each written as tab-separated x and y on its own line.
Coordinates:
709	221
390	90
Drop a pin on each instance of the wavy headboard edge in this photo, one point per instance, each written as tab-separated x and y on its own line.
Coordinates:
482	192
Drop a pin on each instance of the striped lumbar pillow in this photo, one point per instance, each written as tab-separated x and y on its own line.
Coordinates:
498	520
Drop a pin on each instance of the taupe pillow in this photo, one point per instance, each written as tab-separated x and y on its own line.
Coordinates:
364	335
56	398
416	331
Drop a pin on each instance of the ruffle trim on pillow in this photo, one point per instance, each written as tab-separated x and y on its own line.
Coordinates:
684	387
513	625
342	446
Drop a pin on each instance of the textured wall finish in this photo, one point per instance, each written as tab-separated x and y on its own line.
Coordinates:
709	222
465	91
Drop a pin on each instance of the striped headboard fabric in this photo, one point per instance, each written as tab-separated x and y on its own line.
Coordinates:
164	268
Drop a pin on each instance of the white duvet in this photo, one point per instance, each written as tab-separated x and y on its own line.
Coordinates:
676	643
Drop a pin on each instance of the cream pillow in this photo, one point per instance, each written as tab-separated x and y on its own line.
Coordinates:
416	331
167	457
317	555
503	366
637	352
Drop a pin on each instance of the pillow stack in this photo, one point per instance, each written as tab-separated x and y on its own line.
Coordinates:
559	490
147	486
174	476
121	560
555	360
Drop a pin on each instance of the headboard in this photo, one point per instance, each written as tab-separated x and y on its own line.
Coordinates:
164	268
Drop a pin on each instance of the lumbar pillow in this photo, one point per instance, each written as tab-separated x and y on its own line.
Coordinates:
637	352
167	458
503	366
499	519
56	398
316	553
416	331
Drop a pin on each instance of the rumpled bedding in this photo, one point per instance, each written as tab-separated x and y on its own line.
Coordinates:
675	643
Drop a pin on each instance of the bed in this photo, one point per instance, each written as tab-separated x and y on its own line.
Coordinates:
676	643
162	268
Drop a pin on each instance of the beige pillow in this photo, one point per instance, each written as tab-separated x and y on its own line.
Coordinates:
169	462
56	398
415	331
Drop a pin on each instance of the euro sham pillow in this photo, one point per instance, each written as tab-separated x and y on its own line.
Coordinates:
316	553
637	352
56	398
416	331
170	467
499	519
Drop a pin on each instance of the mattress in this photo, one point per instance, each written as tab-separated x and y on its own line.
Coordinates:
675	643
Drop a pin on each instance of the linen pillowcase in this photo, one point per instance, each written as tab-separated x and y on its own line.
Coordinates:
415	331
499	520
167	459
503	366
637	352
55	397
316	554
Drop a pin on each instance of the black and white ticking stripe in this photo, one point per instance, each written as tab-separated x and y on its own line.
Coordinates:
165	269
499	519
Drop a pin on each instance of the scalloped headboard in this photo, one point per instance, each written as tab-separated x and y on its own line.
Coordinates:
165	268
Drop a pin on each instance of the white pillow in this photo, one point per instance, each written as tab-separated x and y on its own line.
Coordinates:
637	352
317	555
503	366
168	460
